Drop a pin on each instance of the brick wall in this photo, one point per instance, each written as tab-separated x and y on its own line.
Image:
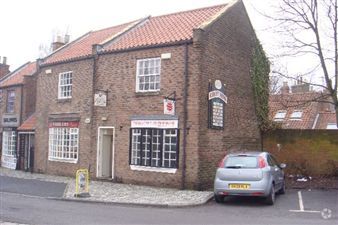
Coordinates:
29	96
225	50
117	73
306	152
48	104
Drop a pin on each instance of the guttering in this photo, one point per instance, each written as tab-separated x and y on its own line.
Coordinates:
185	113
67	61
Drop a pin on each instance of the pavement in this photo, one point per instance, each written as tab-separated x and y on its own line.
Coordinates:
109	192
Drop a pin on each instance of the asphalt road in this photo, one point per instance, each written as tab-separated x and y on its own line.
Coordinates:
36	210
31	187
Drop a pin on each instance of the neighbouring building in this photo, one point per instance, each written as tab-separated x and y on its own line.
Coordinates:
17	104
157	101
302	108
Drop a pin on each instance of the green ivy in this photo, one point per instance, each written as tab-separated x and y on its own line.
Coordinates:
260	69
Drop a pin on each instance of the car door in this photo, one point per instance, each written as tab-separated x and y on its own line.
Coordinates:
279	173
275	171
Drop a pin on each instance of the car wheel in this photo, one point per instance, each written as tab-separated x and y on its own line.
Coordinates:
270	200
219	198
282	190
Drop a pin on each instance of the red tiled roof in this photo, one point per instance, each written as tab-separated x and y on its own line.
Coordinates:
29	124
295	101
145	32
83	46
17	76
324	119
165	29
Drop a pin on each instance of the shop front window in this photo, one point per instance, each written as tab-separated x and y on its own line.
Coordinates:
9	143
154	147
63	144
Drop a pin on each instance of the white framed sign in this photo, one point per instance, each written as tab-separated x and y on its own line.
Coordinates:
169	106
160	124
100	99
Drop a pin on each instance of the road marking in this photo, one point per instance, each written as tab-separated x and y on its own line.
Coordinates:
301	205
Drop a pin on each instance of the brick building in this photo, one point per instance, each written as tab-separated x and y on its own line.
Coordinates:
157	101
299	107
17	104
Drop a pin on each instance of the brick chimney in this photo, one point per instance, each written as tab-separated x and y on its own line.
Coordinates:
285	89
4	68
59	42
300	87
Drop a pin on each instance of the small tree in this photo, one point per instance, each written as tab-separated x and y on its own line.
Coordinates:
310	27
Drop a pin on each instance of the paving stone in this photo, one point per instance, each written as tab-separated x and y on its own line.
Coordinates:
121	193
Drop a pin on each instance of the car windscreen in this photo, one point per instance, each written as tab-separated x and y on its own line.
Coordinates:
241	162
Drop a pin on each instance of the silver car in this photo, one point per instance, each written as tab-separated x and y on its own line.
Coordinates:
249	174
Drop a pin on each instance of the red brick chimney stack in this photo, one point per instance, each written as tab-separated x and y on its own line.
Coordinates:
4	68
285	88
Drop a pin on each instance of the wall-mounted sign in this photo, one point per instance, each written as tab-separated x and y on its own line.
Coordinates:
216	102
64	124
10	120
160	124
100	99
169	106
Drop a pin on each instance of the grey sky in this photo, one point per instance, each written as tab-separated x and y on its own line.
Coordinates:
25	24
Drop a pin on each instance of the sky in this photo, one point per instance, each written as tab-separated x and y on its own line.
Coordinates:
27	24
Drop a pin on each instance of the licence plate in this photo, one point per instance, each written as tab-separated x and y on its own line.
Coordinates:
239	186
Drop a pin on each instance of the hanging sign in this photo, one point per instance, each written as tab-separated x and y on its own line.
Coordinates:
216	102
169	106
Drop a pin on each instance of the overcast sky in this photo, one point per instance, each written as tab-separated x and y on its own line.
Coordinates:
26	24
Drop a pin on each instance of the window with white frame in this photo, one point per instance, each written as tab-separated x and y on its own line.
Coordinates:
10	101
296	115
280	115
63	144
154	147
65	85
9	143
331	126
148	75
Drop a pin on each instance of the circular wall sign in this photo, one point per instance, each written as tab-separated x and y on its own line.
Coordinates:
218	84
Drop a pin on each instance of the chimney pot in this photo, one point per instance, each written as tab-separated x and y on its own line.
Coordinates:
4	60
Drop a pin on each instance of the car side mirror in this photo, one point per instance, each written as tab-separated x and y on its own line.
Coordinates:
282	165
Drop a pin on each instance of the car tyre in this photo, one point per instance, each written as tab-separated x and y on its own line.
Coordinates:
270	200
219	198
282	190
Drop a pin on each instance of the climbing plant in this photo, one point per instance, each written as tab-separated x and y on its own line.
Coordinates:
260	69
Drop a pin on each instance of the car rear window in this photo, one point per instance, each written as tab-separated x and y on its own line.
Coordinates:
241	162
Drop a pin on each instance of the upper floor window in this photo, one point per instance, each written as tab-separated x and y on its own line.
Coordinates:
280	115
148	75
10	101
65	85
296	115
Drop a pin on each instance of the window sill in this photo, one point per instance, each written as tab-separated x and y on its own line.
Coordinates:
149	93
74	161
153	169
64	100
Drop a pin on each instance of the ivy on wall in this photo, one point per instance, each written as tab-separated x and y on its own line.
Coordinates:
260	69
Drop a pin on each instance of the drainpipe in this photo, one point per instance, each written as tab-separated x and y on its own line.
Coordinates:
185	115
95	55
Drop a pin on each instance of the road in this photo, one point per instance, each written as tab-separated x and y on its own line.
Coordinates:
21	208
